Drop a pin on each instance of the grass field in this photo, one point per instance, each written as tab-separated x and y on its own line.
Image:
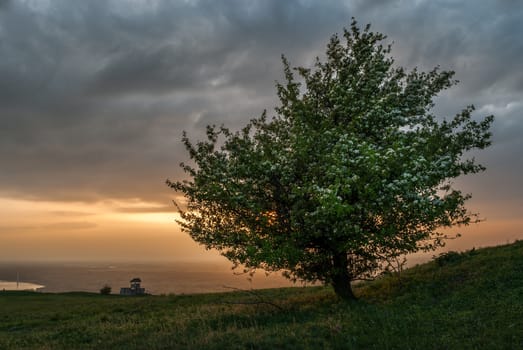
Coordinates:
472	300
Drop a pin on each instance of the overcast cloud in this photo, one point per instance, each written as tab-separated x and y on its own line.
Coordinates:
94	95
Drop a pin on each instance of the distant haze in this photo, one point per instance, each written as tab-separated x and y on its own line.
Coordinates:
94	96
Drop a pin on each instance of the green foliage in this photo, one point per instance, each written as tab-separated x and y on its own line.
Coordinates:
452	257
105	290
352	172
475	303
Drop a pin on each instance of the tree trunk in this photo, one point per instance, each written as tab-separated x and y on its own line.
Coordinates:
341	279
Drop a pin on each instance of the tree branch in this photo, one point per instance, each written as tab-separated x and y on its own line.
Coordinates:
260	300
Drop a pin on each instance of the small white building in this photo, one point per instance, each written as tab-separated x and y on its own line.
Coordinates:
135	288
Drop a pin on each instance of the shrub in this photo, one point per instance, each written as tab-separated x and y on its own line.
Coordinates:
448	258
105	290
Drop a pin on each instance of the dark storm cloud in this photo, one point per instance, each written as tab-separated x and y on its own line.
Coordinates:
215	43
94	94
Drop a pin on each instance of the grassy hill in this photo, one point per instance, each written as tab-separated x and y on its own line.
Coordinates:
472	300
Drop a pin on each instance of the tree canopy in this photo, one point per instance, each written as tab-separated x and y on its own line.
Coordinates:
352	170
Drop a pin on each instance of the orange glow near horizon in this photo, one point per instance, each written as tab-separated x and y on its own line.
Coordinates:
108	230
138	231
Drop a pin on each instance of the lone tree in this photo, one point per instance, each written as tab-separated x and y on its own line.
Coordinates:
351	172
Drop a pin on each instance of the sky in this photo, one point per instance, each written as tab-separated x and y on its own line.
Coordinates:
94	96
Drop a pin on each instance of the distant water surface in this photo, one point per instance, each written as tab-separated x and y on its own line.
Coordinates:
157	278
6	285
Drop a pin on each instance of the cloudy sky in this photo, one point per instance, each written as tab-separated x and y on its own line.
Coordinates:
94	96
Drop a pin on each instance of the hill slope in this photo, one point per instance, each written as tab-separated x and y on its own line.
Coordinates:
472	300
